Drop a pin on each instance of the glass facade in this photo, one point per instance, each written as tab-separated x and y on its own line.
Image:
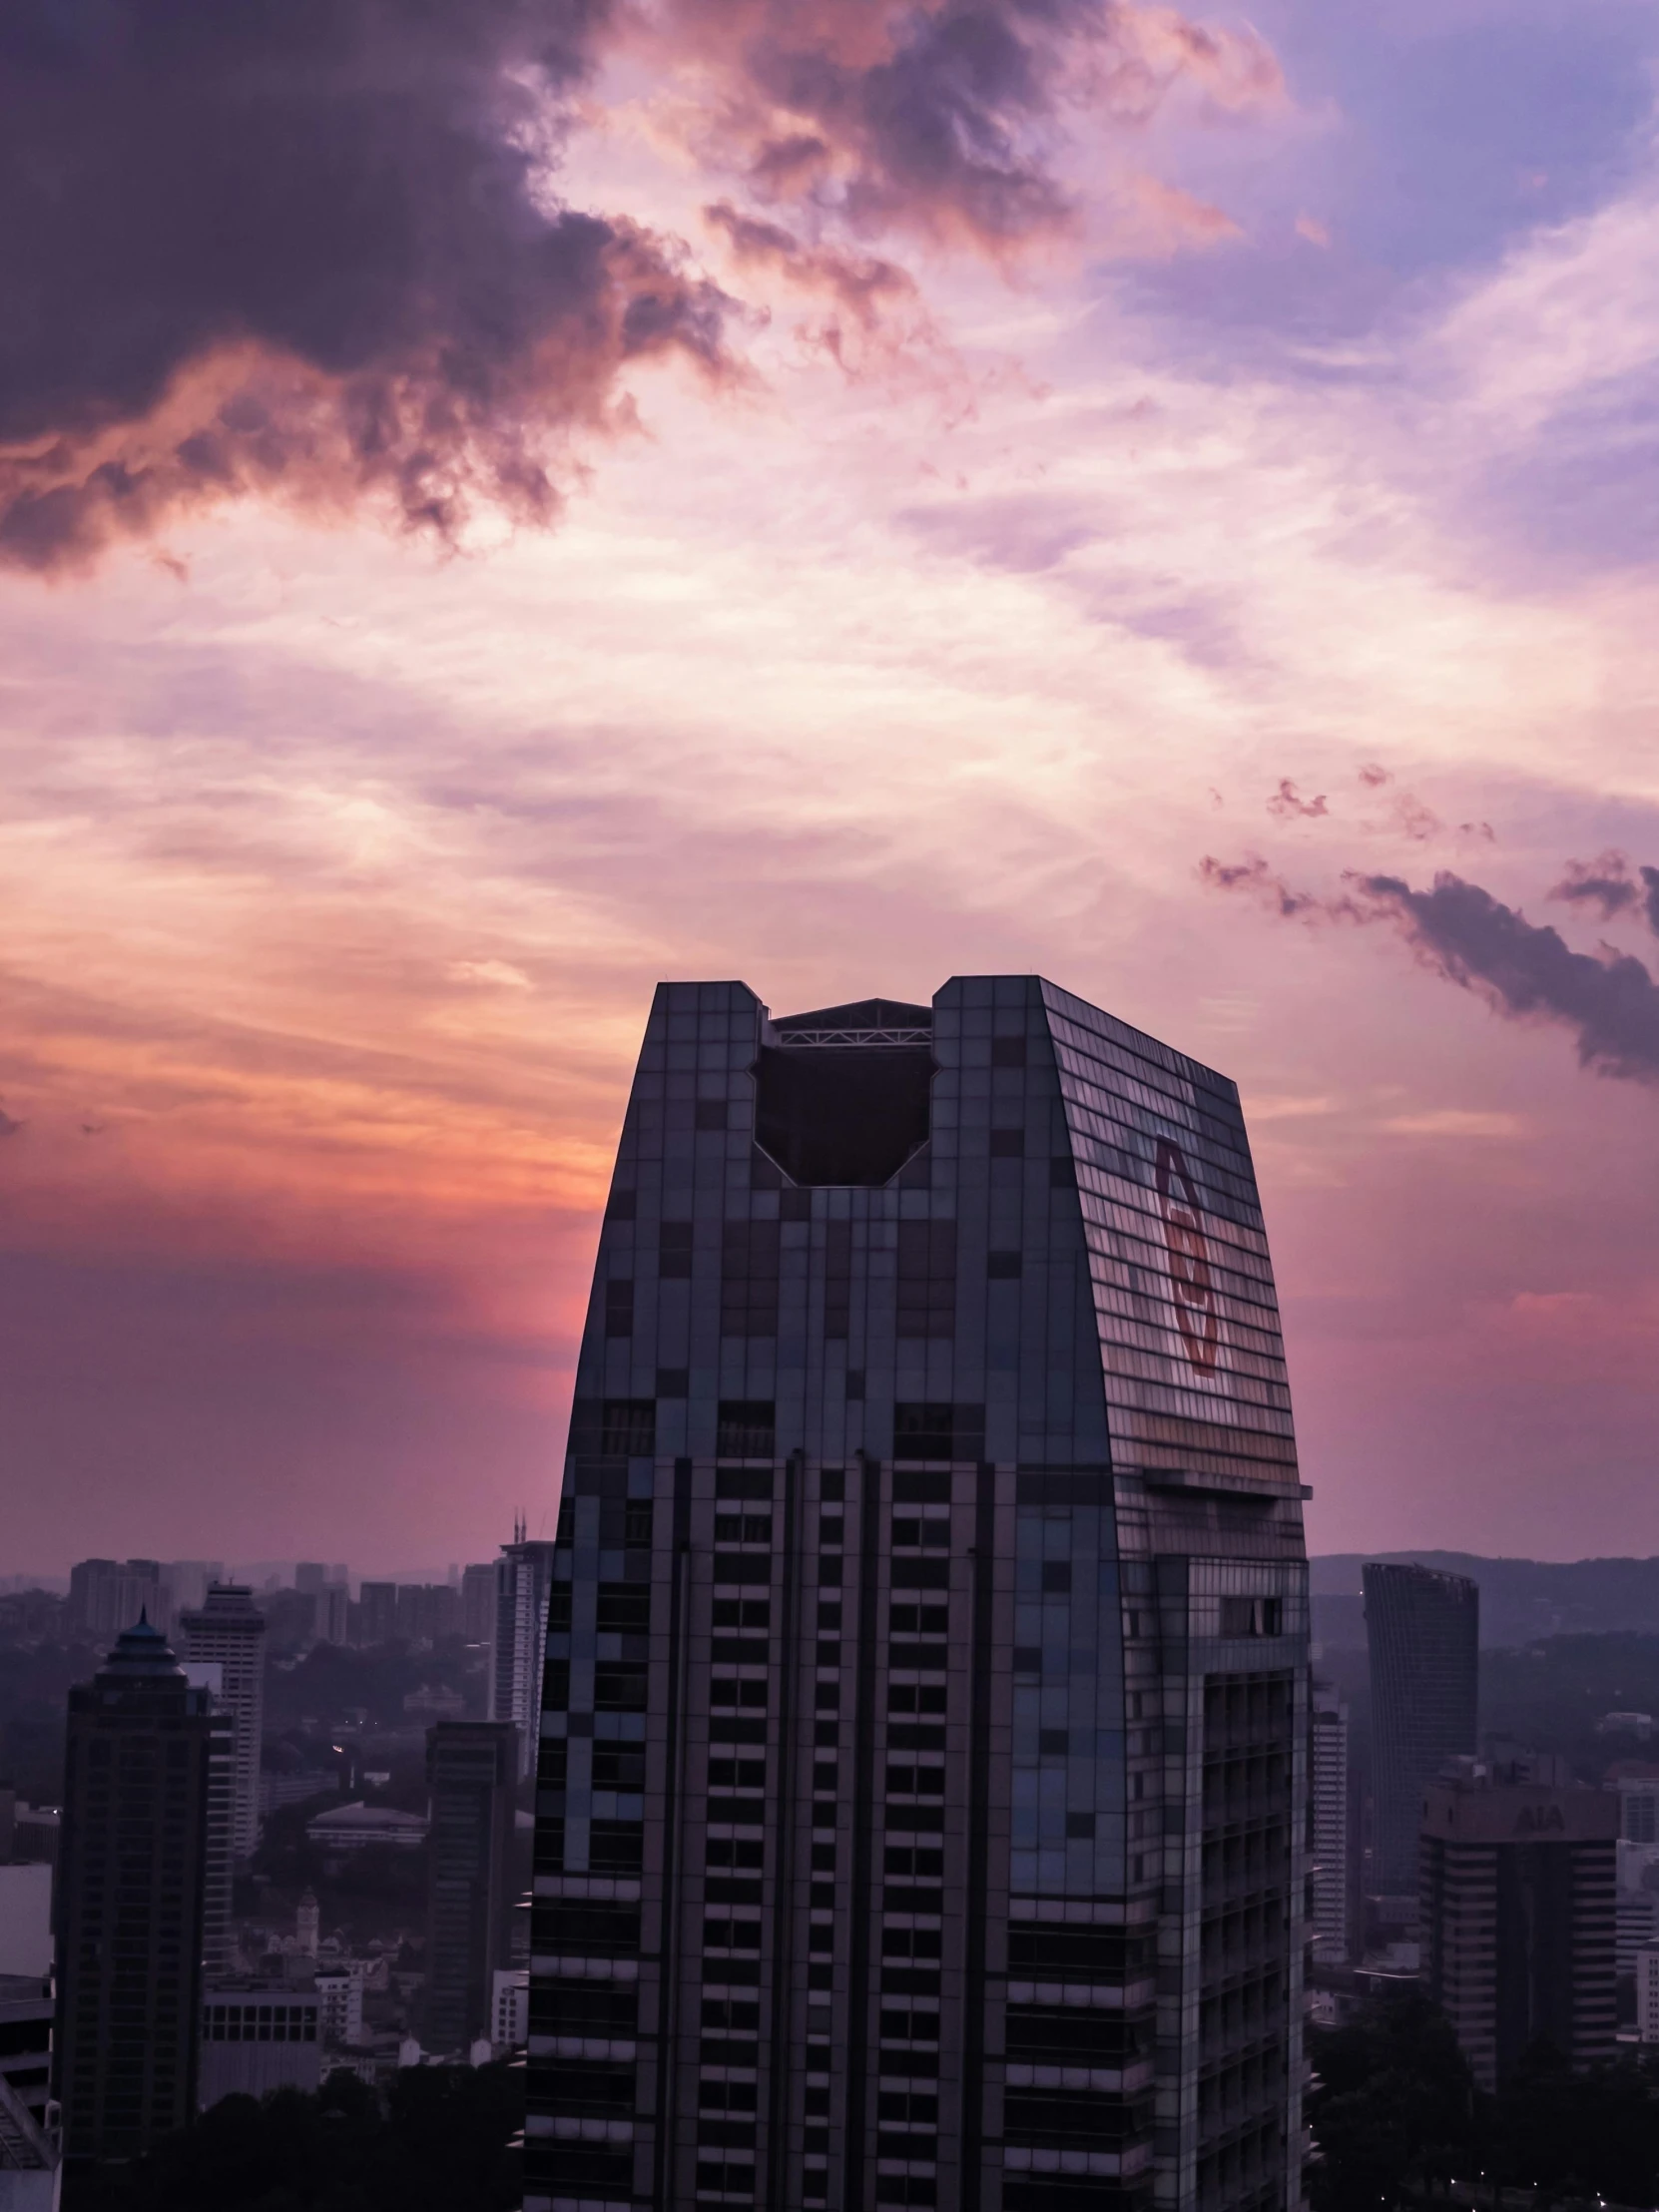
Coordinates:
921	1776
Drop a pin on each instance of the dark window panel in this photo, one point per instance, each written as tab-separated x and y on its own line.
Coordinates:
619	1307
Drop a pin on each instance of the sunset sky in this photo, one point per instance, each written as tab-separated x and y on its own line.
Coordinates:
998	456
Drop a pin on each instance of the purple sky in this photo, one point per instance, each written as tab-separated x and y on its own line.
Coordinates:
837	497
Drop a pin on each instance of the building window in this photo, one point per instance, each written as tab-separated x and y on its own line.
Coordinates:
674	1249
1251	1616
627	1428
746	1429
749	1279
926	1279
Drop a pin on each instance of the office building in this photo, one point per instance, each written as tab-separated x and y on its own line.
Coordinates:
377	1611
922	1785
346	1829
147	1787
340	1994
108	1595
26	1919
228	1632
27	1831
1636	1903
334	1614
1329	1792
1638	1795
427	1612
1517	1919
1647	1995
478	1603
1422	1631
523	1579
472	1778
255	2039
310	1575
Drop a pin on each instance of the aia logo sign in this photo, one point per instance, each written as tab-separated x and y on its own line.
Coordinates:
1189	1256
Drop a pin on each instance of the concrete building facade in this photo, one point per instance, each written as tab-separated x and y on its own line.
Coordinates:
228	1632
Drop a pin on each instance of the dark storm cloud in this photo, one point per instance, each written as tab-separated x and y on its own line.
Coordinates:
310	248
1525	971
301	245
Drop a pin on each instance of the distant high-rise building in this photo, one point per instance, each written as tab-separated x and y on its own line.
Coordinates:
1517	1919
147	1791
1647	1995
1638	1806
922	1808
427	1612
478	1603
472	1777
107	1596
340	1573
310	1575
1636	1903
228	1632
1329	1788
377	1606
187	1581
524	1577
333	1613
1423	1630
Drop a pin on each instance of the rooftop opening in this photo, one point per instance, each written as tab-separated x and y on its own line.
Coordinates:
842	1096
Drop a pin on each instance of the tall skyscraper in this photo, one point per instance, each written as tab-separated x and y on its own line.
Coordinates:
1518	1918
1328	1785
472	1775
923	1793
228	1632
147	1789
378	1610
478	1603
310	1575
333	1613
523	1579
1423	1630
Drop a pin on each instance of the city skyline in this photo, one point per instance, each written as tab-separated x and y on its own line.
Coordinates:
1238	452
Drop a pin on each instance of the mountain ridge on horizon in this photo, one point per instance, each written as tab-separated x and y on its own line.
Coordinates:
1521	1600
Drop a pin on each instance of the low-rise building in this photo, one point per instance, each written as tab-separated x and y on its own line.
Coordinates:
341	2000
255	2039
355	1827
509	2010
26	2041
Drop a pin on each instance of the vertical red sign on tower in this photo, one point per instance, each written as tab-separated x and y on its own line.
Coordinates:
1189	1257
